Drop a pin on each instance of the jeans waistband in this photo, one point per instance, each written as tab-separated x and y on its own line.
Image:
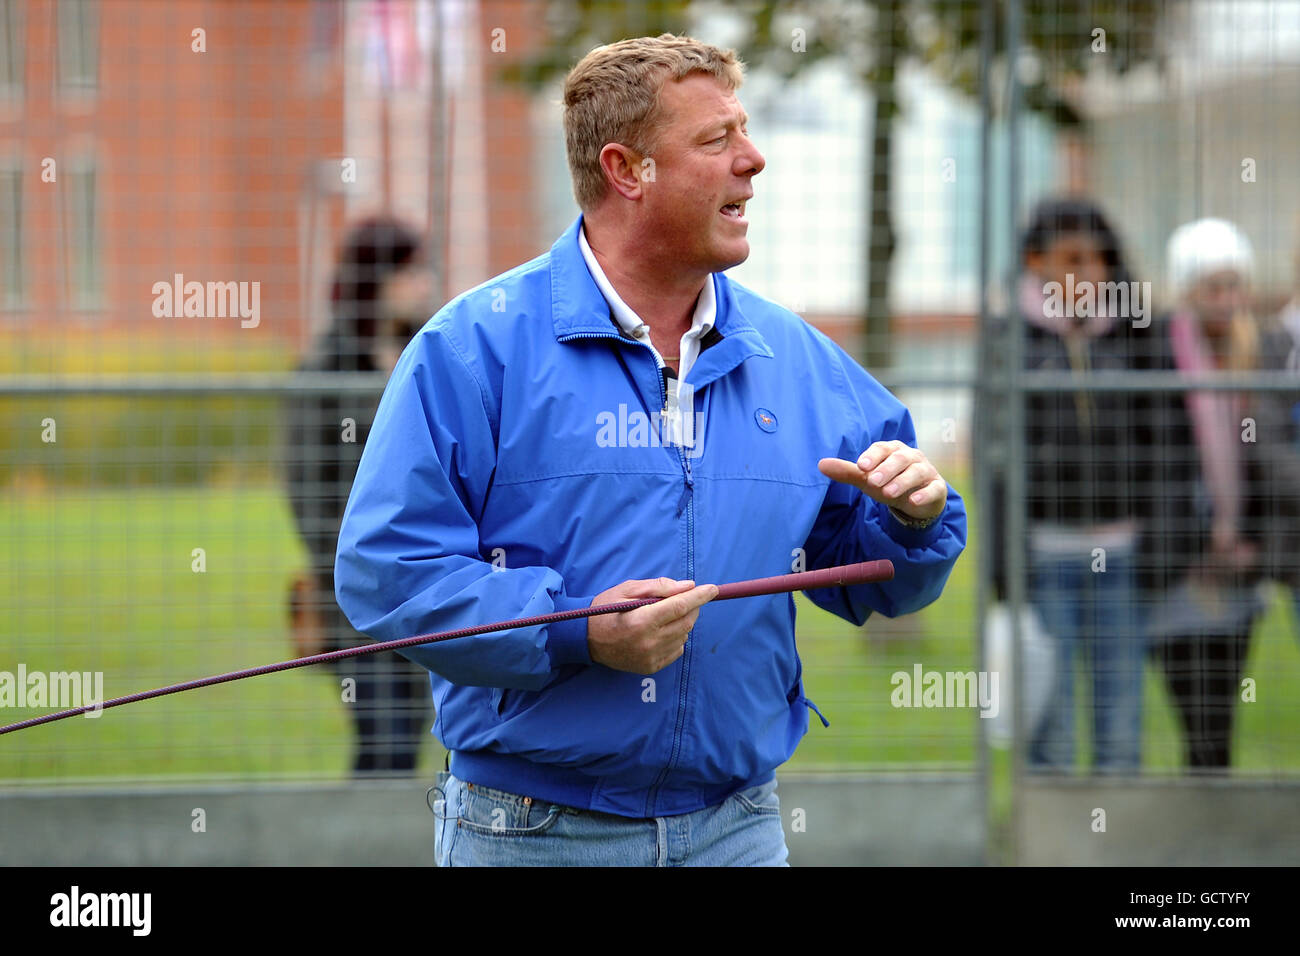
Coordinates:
524	777
568	788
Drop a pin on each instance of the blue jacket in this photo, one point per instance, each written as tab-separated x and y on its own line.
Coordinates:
508	475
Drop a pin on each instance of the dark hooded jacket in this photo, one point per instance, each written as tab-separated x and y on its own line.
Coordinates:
325	433
1084	451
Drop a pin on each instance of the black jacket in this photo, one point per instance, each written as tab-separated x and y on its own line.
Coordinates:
322	453
1147	441
1083	451
1177	534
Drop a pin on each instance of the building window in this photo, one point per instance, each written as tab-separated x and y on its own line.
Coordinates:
12	50
81	245
13	285
78	47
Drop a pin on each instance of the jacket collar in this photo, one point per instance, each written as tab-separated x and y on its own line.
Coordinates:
579	310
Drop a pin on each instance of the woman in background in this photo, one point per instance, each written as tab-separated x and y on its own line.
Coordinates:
1082	472
380	297
1223	463
1286	556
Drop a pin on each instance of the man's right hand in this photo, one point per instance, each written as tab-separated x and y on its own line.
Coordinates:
647	639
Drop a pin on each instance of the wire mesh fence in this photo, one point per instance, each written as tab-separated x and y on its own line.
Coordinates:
221	223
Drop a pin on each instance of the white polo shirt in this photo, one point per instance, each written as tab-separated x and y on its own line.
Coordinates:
701	322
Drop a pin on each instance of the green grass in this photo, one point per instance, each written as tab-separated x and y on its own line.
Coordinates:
103	581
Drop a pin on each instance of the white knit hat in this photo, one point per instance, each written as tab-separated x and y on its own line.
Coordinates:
1204	246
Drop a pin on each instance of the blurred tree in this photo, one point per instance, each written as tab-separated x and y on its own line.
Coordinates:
873	38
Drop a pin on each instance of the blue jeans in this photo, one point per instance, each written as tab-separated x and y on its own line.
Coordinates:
1094	616
480	826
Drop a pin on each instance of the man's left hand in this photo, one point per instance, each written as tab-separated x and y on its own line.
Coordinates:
896	474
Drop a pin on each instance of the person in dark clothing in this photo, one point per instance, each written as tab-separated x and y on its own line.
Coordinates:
1083	453
380	297
1226	516
1286	409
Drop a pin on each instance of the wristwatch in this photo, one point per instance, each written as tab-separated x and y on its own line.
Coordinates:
909	522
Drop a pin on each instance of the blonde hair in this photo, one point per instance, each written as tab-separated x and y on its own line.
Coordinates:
612	95
1243	343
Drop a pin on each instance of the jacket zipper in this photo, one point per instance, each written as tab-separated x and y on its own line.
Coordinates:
685	502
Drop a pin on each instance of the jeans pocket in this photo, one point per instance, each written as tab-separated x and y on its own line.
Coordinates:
442	800
761	800
492	812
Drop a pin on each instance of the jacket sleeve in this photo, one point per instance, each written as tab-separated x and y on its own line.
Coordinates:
409	560
853	527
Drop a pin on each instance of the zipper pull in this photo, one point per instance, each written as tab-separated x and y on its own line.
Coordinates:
813	707
688	486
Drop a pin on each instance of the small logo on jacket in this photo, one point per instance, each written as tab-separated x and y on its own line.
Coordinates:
766	420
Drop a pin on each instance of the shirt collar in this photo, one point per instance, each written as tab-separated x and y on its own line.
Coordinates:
705	305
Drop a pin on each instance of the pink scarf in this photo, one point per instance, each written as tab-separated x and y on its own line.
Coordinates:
1215	420
1033	305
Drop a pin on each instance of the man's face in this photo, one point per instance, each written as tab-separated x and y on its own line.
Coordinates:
703	164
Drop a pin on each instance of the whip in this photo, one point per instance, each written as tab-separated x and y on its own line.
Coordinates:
847	574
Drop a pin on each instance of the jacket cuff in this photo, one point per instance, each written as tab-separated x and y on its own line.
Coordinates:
566	641
910	537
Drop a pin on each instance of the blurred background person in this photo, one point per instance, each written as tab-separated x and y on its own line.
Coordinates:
1081	476
380	297
1221	460
1286	559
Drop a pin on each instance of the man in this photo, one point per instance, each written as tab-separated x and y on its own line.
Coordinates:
508	473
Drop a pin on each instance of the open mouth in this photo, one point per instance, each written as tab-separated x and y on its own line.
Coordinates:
734	210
